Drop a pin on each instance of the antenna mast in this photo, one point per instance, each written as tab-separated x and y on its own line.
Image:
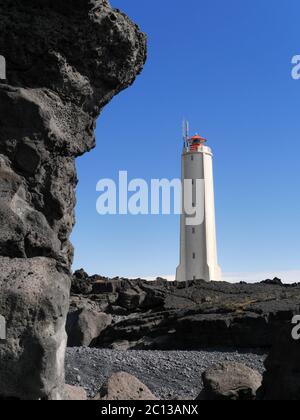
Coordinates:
185	130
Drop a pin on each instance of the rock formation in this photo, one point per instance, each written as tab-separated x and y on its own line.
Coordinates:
83	326
281	380
163	315
65	61
230	381
125	387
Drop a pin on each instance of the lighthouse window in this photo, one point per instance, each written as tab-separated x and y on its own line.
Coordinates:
193	230
192	157
194	256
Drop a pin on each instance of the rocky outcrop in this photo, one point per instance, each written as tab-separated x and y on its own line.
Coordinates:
85	325
65	61
125	387
230	381
34	296
163	315
281	380
81	284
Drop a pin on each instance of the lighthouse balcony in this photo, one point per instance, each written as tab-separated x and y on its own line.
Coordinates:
199	149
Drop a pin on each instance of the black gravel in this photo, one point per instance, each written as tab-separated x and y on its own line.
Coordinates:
168	374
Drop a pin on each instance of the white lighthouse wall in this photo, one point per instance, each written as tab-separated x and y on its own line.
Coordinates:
195	252
210	221
181	269
198	250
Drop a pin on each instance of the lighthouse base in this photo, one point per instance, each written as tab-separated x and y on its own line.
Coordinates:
214	274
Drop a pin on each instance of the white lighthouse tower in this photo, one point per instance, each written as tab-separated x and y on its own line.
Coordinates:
198	244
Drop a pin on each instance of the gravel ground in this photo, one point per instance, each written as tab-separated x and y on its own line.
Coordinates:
168	374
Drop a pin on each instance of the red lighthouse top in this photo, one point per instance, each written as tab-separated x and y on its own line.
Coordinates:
192	144
196	142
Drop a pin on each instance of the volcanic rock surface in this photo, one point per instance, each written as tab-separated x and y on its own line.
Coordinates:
65	61
85	325
282	376
163	315
125	387
230	381
75	393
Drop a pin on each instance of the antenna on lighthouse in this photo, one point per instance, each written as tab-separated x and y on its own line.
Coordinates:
185	131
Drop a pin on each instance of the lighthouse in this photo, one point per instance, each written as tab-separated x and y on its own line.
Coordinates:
198	243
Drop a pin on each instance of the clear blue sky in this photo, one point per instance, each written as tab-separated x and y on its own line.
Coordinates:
227	67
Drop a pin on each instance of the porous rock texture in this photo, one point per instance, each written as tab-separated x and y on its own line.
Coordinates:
125	387
230	381
75	393
34	299
65	61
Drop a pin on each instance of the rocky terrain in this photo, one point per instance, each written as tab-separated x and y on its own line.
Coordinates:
161	315
193	340
65	61
169	374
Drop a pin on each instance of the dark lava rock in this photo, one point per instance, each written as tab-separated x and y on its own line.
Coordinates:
81	283
65	61
163	315
281	380
275	282
85	325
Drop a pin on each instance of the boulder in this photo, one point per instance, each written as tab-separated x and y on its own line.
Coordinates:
230	381
121	345
123	386
130	299
75	393
281	380
85	325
